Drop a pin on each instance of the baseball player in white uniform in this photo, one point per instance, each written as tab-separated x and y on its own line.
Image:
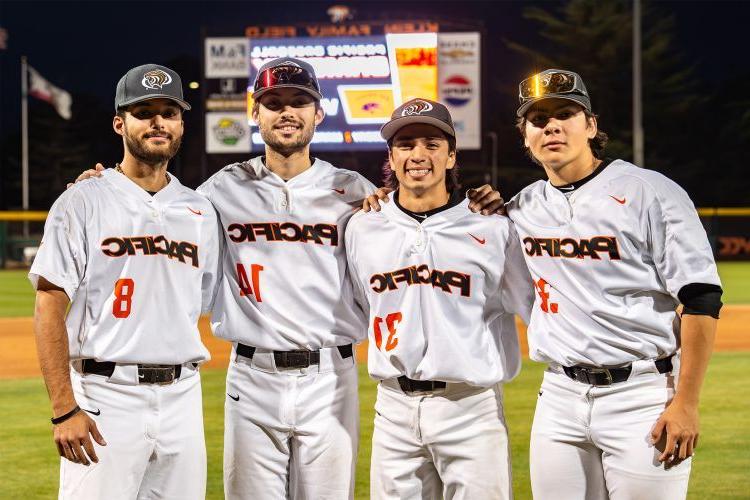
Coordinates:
136	256
291	414
613	249
440	284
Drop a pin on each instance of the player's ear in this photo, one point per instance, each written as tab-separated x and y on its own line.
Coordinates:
451	160
390	159
254	114
319	114
592	126
118	124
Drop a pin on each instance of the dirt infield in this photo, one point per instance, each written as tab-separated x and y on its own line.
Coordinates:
18	352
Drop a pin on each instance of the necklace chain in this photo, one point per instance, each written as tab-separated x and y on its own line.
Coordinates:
118	168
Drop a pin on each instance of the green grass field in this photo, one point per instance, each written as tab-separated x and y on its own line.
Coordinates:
29	464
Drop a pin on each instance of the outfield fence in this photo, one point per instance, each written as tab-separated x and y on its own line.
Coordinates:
728	231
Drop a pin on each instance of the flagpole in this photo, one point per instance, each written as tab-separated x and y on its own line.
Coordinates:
25	141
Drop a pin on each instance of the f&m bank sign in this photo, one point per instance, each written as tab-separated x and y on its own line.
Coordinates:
227	57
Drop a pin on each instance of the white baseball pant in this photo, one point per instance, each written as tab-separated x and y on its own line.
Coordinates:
154	433
593	443
450	444
291	433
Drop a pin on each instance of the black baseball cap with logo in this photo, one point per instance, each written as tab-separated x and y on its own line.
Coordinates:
419	111
150	81
552	83
286	72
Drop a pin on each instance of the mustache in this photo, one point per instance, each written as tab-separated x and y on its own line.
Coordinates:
165	135
285	122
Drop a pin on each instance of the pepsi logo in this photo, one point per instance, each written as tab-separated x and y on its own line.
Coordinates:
457	90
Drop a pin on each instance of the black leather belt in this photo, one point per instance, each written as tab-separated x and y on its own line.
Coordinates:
410	385
300	358
608	376
147	374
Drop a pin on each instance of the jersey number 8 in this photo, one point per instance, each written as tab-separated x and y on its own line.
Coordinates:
124	288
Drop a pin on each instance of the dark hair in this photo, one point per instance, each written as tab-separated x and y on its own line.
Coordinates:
452	181
256	105
597	144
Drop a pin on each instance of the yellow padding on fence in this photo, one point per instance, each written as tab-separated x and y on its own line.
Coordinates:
23	216
724	211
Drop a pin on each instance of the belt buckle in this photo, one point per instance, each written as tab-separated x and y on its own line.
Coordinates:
156	374
296	359
407	387
596	371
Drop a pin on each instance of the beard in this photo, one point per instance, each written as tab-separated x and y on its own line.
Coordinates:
148	154
286	148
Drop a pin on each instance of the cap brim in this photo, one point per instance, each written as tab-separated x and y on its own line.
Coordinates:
183	104
578	99
316	95
389	129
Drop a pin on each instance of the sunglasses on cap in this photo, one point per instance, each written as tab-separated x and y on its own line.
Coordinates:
544	84
286	76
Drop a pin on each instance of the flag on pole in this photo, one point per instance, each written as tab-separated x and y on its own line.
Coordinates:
44	90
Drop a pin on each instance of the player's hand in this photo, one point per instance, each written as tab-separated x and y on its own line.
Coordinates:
73	439
372	202
486	200
87	174
675	434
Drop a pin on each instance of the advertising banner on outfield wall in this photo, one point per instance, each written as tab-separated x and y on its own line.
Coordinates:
459	84
729	235
227	132
226	57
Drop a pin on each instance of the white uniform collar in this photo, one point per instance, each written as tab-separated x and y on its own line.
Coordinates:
123	182
450	215
304	178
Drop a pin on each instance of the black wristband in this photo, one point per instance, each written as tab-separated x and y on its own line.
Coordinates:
63	418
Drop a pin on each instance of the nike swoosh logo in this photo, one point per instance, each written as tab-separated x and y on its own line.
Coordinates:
420	216
141	375
236	398
339	191
480	241
97	412
196	212
618	200
566	188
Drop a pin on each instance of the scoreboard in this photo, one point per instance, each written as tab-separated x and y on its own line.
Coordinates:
362	78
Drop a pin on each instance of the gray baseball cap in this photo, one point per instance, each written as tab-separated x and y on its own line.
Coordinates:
149	81
286	72
549	84
419	111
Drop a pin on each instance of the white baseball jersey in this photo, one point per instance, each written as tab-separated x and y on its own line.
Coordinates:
441	294
138	269
608	262
286	285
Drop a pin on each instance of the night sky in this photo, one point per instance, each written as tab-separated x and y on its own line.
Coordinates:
84	48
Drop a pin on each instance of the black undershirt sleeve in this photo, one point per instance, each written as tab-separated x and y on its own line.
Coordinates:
701	299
